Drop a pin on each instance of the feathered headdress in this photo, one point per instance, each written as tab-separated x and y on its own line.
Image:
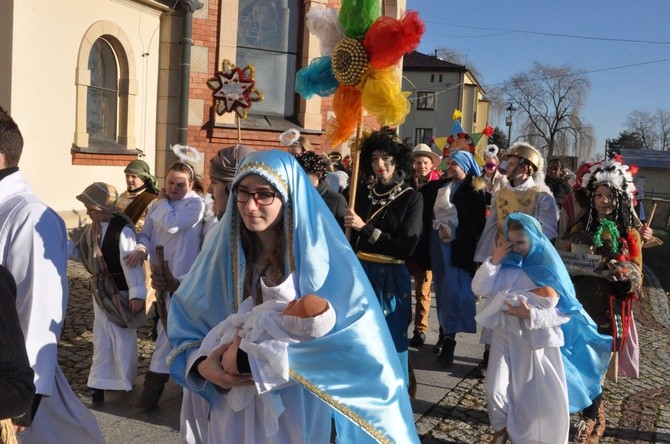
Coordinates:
613	173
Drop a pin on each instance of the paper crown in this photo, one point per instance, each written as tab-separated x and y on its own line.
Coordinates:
613	173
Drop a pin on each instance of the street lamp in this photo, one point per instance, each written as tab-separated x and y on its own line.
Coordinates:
508	122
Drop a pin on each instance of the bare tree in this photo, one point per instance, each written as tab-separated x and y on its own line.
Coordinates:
549	103
662	120
642	122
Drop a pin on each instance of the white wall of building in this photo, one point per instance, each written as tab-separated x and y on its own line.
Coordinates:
46	40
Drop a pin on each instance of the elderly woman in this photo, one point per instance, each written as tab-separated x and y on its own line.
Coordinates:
607	229
277	225
386	223
425	164
459	215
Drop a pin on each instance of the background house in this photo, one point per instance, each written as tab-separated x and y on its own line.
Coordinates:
652	181
439	87
94	84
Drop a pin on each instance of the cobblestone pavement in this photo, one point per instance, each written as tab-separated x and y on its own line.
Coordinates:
638	410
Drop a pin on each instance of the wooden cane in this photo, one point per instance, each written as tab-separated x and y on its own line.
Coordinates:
651	216
355	161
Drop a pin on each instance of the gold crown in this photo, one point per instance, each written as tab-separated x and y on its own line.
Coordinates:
526	152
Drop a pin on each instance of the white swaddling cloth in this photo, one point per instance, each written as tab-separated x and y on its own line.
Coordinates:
446	216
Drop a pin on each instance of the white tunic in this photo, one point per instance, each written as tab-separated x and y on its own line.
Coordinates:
114	364
271	411
525	383
178	227
33	246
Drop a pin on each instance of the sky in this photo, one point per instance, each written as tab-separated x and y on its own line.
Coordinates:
623	45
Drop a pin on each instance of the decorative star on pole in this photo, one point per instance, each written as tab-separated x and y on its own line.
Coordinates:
234	89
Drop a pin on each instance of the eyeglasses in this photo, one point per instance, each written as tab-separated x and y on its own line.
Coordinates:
260	197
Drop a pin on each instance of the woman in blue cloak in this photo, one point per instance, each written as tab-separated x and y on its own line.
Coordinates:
276	225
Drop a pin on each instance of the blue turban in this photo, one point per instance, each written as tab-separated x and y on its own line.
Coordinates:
466	161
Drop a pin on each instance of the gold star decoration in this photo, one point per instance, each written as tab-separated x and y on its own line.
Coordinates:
234	89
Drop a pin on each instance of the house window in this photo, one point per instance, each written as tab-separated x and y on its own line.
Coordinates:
440	78
267	38
102	94
425	100
423	135
432	78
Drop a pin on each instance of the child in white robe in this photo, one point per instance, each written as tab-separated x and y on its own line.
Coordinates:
264	332
114	362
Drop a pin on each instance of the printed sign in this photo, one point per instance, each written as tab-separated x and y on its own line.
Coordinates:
581	263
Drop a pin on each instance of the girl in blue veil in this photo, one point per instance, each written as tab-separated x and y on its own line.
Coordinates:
352	373
585	353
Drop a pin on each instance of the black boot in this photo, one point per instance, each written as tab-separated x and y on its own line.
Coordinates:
440	340
154	383
446	355
418	339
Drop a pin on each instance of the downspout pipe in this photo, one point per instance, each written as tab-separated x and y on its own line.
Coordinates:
189	7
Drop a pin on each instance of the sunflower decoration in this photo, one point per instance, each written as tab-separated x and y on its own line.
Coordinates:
234	89
359	52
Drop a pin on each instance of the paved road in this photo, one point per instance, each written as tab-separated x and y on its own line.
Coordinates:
450	406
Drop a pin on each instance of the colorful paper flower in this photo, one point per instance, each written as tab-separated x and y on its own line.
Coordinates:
359	52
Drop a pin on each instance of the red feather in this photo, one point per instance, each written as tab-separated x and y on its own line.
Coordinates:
633	169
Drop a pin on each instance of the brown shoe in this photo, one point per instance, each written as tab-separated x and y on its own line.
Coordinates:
599	428
500	437
584	431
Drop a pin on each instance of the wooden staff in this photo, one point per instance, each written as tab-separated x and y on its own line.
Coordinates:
355	161
161	307
651	216
238	121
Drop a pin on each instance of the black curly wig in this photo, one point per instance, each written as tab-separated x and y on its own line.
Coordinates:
386	140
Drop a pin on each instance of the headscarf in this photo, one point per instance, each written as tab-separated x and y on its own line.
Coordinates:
586	353
369	398
224	164
466	161
141	169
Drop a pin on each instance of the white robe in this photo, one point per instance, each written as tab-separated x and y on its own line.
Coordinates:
525	383
271	410
114	363
178	226
33	246
545	213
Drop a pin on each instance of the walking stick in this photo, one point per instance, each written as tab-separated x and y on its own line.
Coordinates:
161	308
355	161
